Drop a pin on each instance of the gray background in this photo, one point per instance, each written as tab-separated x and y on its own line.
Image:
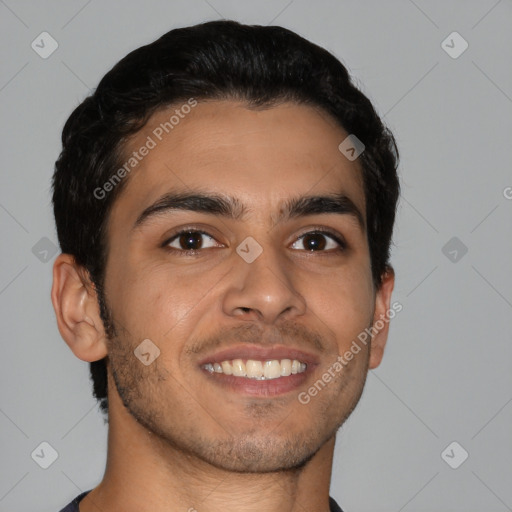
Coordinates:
446	372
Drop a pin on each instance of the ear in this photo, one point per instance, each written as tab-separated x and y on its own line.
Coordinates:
381	318
76	307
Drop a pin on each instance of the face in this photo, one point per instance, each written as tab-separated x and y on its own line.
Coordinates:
255	275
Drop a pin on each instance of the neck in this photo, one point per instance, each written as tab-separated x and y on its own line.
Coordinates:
144	473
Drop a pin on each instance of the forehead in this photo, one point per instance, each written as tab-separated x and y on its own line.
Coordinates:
260	156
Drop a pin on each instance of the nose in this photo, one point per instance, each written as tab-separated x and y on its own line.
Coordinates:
263	290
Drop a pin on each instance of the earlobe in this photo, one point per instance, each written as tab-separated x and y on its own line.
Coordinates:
76	308
381	318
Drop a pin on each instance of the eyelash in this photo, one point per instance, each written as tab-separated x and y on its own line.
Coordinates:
193	252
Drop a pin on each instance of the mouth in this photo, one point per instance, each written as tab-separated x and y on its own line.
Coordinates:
256	369
259	371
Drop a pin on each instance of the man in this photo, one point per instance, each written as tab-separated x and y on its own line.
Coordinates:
224	203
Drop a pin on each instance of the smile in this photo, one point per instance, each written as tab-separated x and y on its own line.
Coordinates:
256	369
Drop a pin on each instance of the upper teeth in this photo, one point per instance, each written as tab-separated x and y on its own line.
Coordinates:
255	369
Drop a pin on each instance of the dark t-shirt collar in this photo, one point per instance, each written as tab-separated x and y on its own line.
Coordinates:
73	506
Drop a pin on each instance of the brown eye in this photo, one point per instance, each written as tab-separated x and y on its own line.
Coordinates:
314	241
190	241
319	241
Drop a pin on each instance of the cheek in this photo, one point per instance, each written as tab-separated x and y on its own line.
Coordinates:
155	301
344	301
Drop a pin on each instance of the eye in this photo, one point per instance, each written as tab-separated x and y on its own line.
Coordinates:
320	241
190	240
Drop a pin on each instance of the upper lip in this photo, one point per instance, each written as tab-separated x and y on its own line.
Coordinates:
260	353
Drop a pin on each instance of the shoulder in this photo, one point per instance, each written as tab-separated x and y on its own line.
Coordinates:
333	506
73	506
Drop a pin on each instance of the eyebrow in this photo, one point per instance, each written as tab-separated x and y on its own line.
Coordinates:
231	208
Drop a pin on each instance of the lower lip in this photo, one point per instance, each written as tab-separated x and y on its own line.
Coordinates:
263	388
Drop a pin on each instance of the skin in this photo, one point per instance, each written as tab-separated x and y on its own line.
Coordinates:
177	441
